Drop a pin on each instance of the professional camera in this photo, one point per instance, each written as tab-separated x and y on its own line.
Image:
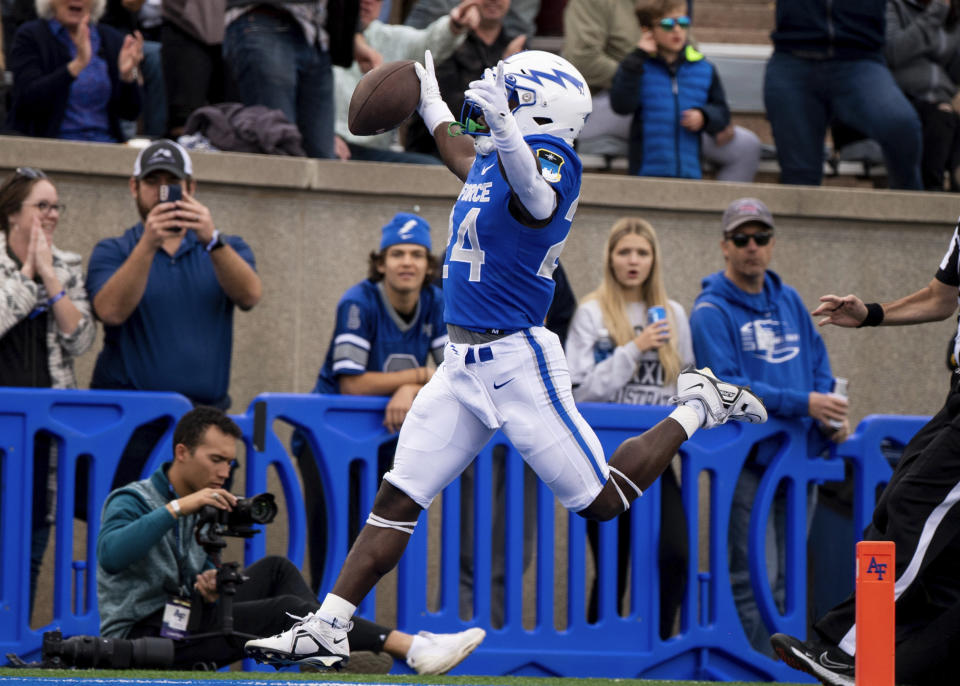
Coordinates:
106	653
214	523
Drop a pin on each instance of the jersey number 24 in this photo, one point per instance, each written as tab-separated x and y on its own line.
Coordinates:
475	256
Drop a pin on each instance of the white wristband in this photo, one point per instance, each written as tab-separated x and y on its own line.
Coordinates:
435	114
175	506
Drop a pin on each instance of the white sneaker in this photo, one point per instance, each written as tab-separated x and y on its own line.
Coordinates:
439	653
316	639
721	401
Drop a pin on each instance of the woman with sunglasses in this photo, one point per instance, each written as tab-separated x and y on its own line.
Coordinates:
72	77
45	319
627	344
673	92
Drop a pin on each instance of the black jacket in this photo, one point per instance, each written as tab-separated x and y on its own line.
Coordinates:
827	29
41	82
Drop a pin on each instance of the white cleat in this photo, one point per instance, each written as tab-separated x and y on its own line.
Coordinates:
439	653
721	401
317	639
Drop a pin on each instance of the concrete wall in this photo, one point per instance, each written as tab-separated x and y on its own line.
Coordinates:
311	224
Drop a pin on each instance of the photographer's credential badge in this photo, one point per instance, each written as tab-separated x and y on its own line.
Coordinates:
176	616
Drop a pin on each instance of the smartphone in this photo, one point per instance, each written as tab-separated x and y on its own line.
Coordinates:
171	194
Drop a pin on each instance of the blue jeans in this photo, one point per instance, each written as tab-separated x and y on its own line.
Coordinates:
738	533
802	96
738	547
274	66
154	91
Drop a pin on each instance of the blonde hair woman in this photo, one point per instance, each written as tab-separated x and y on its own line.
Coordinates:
615	356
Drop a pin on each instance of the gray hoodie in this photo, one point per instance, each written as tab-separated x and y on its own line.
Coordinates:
922	51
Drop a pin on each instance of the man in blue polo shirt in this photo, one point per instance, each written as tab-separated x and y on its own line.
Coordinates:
165	291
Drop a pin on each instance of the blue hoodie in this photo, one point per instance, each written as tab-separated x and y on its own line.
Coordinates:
767	340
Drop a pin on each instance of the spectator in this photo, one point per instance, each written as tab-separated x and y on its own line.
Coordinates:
617	356
146	554
916	511
923	52
45	317
395	42
194	72
750	326
388	326
281	55
72	78
519	20
598	37
828	64
13	13
173	271
483	48
671	90
129	16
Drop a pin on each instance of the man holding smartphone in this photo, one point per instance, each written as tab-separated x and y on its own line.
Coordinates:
165	291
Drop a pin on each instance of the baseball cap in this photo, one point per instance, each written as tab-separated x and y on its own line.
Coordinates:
163	155
743	211
406	228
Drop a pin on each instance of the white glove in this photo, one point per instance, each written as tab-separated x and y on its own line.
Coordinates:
432	109
491	95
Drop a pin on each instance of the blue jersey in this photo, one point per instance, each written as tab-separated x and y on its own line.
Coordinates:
372	337
498	270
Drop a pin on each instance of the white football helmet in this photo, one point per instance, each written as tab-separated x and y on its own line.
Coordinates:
546	95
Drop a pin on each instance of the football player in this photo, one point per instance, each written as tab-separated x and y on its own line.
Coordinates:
501	368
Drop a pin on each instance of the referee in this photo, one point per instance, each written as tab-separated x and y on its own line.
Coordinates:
917	511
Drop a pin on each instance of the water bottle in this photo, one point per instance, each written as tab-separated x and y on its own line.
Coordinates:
603	348
839	388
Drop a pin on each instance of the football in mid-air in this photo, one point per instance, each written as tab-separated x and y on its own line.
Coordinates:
384	98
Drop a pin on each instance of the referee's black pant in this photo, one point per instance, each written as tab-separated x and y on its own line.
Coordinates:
918	512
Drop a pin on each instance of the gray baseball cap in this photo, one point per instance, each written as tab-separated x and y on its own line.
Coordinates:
744	211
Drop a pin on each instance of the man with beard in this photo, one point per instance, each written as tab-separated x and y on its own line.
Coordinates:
165	291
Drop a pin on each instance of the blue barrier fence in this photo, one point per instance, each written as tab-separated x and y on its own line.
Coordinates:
545	631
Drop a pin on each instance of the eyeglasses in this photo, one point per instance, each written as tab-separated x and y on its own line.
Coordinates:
30	173
668	23
48	207
741	239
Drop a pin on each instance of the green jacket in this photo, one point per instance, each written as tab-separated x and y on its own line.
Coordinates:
144	555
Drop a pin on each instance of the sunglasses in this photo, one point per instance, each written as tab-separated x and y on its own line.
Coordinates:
741	239
30	173
668	23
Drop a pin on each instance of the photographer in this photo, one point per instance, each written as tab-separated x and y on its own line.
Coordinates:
148	560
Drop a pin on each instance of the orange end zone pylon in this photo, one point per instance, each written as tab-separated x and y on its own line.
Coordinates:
876	572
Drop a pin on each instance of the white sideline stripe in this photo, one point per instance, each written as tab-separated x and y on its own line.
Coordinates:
849	642
77	681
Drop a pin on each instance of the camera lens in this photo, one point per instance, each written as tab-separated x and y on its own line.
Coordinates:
263	509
